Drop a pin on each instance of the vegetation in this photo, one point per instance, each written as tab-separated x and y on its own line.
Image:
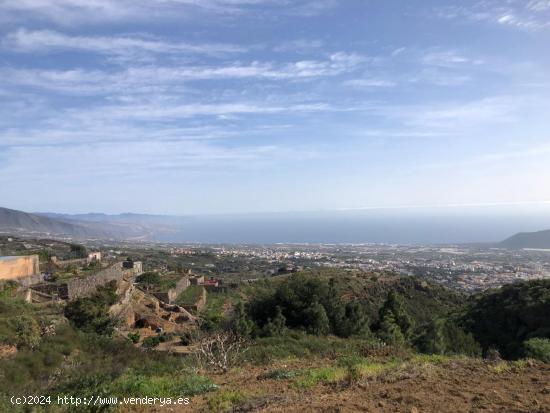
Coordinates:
78	251
134	337
307	303
444	336
19	323
504	319
80	363
304	330
538	348
149	280
190	295
92	313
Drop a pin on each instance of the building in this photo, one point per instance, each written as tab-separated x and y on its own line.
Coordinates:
94	257
212	282
23	269
130	264
197	280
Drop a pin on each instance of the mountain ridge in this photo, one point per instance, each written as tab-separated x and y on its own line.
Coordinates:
537	239
59	225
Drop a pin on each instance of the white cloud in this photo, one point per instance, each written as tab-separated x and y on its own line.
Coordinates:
147	79
448	59
539	5
44	41
367	83
71	12
522	14
171	112
299	45
459	117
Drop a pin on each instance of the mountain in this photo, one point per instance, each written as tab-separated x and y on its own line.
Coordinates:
19	222
540	239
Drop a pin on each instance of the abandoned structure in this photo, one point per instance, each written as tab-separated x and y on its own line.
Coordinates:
130	264
80	287
22	269
94	256
173	293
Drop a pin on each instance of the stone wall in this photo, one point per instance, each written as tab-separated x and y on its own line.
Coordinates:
82	287
17	268
54	290
173	293
199	304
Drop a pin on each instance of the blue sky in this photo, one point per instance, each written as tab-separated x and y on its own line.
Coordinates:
215	106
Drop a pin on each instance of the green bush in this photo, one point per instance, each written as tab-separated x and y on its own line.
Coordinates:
139	385
280	374
78	251
225	401
92	313
538	348
151	342
27	331
505	318
149	279
308	303
134	337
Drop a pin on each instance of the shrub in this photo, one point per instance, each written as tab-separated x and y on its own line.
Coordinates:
139	385
134	337
151	342
149	279
221	351
225	401
313	377
538	348
352	366
27	331
92	313
280	374
78	251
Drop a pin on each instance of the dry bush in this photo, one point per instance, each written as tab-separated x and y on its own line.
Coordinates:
221	351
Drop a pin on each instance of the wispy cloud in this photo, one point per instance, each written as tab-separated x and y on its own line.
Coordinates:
71	12
368	83
153	78
448	58
46	41
299	45
521	14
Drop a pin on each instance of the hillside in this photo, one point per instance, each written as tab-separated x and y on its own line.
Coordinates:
19	222
540	239
286	365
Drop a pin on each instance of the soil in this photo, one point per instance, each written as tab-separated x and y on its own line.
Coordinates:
455	386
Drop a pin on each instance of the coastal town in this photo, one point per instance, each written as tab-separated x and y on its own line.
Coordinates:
467	268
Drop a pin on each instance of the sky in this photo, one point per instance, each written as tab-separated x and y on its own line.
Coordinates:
235	106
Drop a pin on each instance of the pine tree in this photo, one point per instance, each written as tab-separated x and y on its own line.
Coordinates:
390	332
318	322
242	325
354	321
277	326
394	306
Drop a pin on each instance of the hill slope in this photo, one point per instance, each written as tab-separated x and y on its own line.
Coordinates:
540	239
19	222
